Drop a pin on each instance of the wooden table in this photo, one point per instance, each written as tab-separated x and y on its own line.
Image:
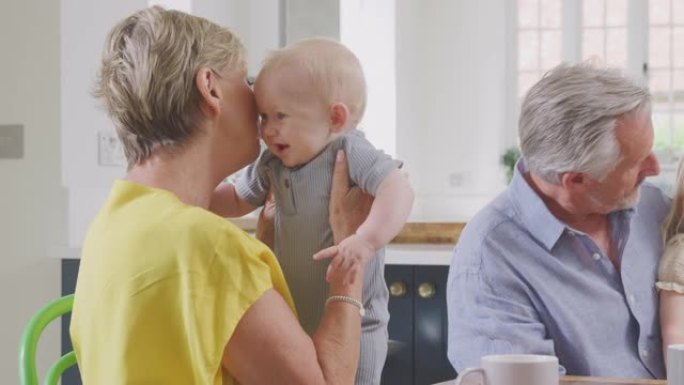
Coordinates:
576	380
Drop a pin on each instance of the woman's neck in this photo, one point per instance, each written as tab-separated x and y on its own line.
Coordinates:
188	173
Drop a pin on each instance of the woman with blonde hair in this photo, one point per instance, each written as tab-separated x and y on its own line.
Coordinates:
671	269
167	292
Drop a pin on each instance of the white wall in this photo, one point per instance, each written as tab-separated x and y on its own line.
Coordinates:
307	18
451	103
451	109
368	29
32	201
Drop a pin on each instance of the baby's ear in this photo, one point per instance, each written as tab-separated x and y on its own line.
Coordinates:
339	117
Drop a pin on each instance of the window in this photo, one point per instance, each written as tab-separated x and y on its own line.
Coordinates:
539	40
604	31
645	37
665	72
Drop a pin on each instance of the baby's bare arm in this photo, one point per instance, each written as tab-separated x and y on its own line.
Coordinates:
226	202
387	216
390	209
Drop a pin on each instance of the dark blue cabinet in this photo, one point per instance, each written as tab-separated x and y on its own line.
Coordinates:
417	353
69	274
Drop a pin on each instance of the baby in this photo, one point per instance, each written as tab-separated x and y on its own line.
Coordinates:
671	270
310	96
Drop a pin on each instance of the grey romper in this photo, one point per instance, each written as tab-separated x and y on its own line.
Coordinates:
302	196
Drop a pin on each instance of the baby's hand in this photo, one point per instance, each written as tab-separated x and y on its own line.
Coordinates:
340	270
349	258
356	248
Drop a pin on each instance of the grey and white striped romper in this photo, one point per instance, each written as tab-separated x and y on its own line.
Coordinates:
301	229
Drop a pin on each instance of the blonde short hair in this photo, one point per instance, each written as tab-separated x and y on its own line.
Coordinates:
147	76
674	222
334	71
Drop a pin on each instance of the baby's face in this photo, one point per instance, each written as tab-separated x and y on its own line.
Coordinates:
294	124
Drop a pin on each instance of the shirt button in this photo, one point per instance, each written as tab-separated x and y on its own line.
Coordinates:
596	256
286	182
631	298
644	353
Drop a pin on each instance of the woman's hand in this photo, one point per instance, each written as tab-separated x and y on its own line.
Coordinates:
349	207
265	224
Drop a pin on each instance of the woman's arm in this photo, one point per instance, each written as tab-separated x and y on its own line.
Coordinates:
671	318
269	346
226	202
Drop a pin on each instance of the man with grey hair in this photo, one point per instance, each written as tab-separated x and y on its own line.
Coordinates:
564	261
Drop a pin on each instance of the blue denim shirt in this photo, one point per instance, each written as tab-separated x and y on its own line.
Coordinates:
521	281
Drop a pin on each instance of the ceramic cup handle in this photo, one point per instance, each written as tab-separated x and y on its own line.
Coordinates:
462	376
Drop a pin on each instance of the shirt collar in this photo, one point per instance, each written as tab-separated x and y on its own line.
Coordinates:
532	211
534	214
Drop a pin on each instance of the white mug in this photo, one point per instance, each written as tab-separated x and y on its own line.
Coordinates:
515	369
675	364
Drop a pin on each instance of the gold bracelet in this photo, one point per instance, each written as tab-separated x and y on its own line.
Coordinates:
349	300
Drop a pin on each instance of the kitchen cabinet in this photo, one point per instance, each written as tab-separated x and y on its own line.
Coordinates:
417	353
69	273
417	327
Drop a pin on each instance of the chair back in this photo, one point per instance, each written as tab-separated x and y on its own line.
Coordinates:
29	341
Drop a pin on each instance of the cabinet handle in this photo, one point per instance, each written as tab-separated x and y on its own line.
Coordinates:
397	289
426	290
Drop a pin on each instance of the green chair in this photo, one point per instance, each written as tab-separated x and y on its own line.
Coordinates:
29	341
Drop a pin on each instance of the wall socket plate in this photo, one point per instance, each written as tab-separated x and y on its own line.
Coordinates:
11	141
109	150
456	179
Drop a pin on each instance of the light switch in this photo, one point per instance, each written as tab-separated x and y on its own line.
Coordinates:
11	141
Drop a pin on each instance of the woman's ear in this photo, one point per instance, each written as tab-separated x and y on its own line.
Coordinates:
339	116
207	85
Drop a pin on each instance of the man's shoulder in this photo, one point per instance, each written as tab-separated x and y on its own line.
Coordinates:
494	222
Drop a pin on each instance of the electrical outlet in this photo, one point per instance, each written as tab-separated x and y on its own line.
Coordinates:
456	179
109	151
11	141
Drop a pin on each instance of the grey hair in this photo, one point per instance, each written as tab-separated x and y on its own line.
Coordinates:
568	120
334	71
147	77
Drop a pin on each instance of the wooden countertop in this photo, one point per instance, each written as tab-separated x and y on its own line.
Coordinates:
441	233
430	232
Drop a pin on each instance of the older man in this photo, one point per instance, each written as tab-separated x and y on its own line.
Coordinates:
564	261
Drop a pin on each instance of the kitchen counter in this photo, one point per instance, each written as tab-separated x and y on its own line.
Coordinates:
419	243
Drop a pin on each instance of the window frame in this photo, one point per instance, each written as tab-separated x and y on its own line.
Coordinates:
637	59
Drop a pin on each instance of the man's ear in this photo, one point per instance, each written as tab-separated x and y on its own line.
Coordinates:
207	85
573	181
339	116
